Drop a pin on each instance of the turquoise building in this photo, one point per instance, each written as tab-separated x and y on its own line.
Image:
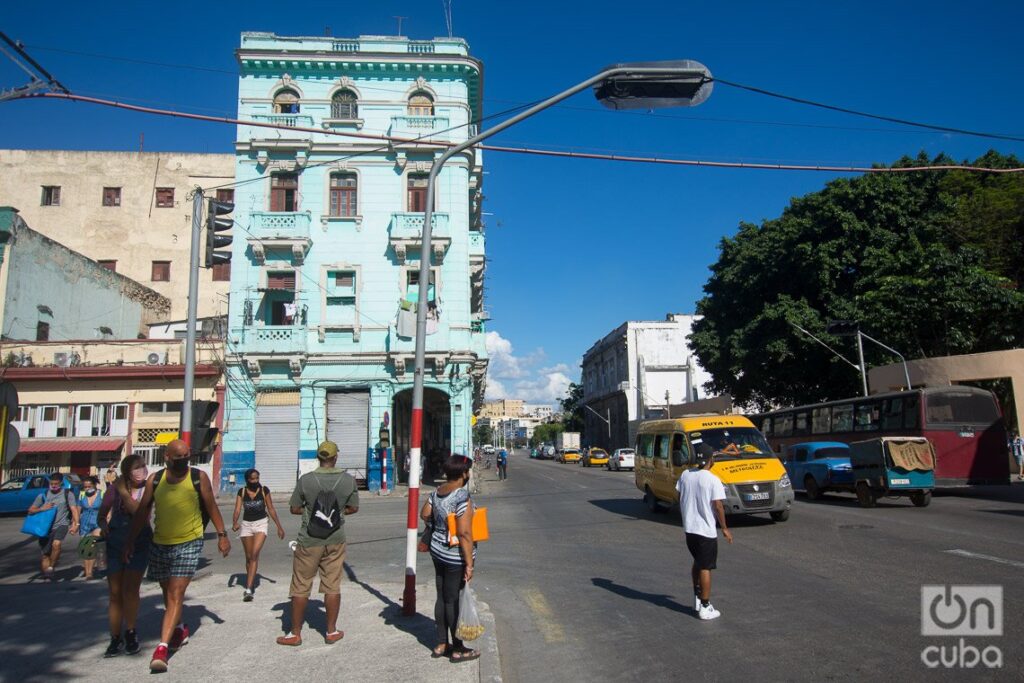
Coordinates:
326	253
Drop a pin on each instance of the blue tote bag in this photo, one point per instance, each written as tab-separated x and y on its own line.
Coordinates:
40	523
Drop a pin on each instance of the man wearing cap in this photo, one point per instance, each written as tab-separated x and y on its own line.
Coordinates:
314	554
701	494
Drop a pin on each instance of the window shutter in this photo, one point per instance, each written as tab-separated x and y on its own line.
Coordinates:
281	280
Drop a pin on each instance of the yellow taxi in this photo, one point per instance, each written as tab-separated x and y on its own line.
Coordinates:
755	480
595	456
569	455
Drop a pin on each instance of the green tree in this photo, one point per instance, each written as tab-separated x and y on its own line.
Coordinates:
546	433
880	249
572	408
482	434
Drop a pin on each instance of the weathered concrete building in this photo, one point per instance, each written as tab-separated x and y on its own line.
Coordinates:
126	210
640	370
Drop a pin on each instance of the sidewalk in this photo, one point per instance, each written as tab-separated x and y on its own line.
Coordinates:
60	629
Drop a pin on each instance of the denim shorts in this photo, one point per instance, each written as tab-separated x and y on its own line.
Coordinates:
115	551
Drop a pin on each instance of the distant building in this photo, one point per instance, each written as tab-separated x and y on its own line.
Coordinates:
636	372
126	210
501	409
540	412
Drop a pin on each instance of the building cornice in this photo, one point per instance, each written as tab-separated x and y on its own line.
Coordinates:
105	373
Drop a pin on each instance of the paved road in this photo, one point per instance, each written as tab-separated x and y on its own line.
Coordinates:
587	585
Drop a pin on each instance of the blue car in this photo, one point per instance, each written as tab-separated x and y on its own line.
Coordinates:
18	494
819	466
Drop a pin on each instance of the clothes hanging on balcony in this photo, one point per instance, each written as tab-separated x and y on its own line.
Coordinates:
406	326
433	318
289	313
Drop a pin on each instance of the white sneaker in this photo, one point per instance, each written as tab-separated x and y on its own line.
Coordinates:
708	612
696	603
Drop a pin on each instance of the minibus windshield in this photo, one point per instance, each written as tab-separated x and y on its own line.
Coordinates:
731	442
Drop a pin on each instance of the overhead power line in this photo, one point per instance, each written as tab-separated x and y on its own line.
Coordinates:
831	168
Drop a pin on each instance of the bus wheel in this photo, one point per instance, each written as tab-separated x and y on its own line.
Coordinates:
780	515
921	499
865	496
650	501
812	488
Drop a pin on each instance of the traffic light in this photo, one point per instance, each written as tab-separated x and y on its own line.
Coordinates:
215	223
204	435
843	328
384	438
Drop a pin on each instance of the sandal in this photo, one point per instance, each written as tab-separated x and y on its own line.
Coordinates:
465	655
443	650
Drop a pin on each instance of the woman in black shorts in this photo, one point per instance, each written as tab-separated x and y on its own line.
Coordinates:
253	503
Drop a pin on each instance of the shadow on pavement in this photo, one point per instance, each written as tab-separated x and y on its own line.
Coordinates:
1012	513
316	616
1007	493
657	599
239	580
635	509
417	625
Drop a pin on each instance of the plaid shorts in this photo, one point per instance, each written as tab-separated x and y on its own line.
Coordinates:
174	561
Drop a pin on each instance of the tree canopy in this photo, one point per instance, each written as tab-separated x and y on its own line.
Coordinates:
929	263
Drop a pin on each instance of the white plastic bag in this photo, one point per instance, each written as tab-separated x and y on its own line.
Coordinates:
469	625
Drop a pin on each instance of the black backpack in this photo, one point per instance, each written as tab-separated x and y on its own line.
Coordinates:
325	517
196	483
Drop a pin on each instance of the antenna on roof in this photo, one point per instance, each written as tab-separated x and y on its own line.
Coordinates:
447	5
395	16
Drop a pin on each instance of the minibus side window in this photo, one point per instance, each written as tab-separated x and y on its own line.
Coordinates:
661	444
680	453
646	446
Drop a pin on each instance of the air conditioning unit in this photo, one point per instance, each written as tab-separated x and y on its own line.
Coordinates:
63	359
156	358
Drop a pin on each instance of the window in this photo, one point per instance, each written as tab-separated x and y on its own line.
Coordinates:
952	407
417	200
162	407
344	278
42	331
109	264
221	271
49	414
680	453
784	425
820	419
911	411
421	104
412	289
866	419
344	105
51	195
766	426
161	271
800	424
165	197
842	418
121	411
111	196
343	194
286	101
226	195
284	192
800	455
283	280
661	446
646	445
892	414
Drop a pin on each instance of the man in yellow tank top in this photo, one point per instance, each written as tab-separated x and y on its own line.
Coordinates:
177	538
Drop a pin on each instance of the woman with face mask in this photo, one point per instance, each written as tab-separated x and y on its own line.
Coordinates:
89	501
124	579
253	503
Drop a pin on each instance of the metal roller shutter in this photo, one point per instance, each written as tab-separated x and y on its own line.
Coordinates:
277	448
348	418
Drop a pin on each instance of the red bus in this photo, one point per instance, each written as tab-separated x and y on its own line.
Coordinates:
965	424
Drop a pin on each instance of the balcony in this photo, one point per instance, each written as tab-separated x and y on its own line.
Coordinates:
288	120
413	127
407	233
281	229
269	343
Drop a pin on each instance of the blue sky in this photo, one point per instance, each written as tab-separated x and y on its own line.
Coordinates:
578	247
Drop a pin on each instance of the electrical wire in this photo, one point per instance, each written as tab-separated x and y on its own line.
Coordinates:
831	168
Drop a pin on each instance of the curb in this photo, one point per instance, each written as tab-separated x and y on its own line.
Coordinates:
490	659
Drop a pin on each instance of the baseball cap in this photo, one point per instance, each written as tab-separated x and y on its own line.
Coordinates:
327	450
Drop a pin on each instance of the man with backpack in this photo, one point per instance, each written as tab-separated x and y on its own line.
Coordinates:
183	499
502	465
323	497
66	520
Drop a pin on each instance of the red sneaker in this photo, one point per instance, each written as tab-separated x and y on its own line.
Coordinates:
179	637
159	661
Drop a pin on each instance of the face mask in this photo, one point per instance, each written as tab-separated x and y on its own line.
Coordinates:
253	486
179	466
55	487
139	475
90	492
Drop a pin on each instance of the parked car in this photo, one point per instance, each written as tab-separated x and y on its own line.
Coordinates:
18	494
816	467
595	456
893	466
569	455
621	459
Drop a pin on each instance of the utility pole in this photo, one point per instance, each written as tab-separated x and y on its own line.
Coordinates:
185	429
860	355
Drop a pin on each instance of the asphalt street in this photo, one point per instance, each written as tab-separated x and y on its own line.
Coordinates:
587	585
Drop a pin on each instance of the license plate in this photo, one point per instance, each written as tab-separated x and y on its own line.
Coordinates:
757	496
899	481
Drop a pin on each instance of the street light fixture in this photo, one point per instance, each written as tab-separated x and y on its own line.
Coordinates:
850	328
646	85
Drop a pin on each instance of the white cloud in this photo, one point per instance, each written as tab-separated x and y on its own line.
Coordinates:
512	376
495	390
547	388
504	363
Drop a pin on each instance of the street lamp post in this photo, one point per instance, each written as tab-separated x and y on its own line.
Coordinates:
639	85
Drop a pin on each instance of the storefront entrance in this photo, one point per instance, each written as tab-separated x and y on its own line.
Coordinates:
437	431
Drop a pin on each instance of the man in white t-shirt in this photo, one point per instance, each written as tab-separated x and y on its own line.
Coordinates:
700	501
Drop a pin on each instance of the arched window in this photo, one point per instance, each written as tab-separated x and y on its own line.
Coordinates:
286	101
344	105
420	104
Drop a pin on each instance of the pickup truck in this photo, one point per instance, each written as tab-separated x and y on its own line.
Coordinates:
819	466
18	494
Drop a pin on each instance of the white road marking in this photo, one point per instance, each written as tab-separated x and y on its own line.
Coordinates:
979	556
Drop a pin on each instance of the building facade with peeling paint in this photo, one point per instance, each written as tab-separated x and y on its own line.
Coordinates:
326	253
